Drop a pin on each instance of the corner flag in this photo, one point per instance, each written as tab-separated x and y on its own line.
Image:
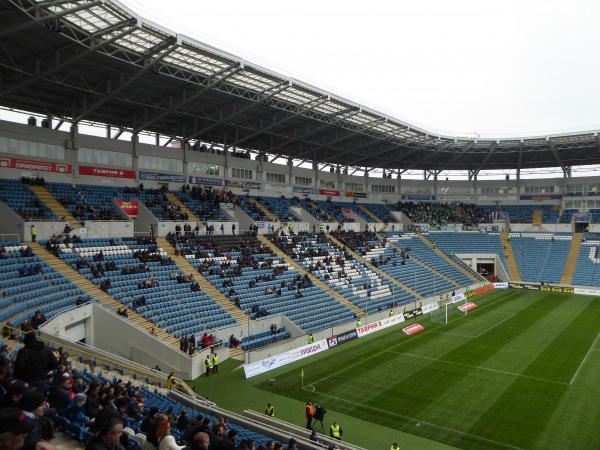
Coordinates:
302	373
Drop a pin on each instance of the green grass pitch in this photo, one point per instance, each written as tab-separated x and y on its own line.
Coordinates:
521	371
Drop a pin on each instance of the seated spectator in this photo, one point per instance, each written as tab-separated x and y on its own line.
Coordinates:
75	411
60	394
165	440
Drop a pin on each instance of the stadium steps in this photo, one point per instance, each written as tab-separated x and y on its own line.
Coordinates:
537	218
191	216
265	211
237	353
90	288
301	270
369	213
511	262
442	255
572	257
205	285
51	202
322	212
427	266
380	272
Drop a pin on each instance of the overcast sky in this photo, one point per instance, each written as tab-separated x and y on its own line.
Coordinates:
499	68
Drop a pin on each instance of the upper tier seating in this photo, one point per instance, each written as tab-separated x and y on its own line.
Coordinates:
89	202
381	211
337	211
19	197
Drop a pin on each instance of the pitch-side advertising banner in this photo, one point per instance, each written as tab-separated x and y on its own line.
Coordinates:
264	365
379	325
26	164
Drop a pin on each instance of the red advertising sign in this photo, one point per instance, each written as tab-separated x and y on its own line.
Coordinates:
412	329
329	192
26	164
103	172
130	207
467	306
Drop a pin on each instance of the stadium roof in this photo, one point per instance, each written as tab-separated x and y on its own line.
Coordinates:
98	61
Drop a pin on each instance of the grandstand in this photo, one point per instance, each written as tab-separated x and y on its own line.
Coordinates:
301	233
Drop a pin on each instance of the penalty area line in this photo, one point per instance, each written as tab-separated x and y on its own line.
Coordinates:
584	359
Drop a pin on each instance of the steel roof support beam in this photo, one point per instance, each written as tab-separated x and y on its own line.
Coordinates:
165	47
39	19
215	79
347	136
307	106
338	118
72	60
490	152
555	153
265	94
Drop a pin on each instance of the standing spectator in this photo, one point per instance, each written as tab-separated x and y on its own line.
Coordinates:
33	233
215	363
309	412
33	363
208	365
170	381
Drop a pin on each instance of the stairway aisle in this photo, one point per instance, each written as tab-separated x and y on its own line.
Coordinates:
511	262
572	257
51	202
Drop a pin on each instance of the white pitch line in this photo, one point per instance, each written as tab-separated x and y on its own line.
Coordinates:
584	359
452	430
519	375
494	326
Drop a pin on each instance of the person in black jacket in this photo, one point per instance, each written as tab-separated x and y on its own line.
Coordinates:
33	363
108	437
60	394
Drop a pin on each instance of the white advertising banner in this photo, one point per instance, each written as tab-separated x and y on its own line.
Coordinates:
264	365
581	291
379	325
308	350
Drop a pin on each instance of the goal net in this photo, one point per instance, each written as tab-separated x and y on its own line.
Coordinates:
447	312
